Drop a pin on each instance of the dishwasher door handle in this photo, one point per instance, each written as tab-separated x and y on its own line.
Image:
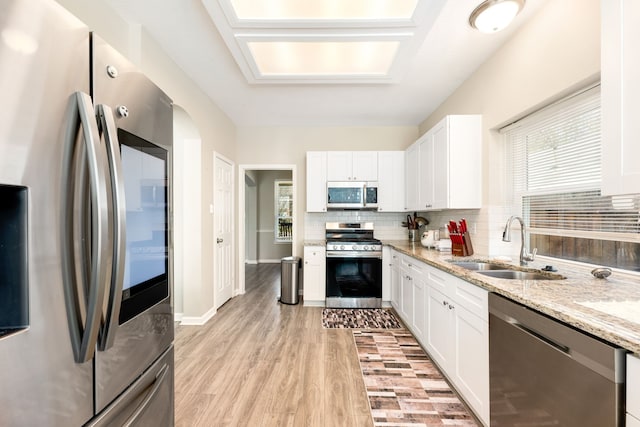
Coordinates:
561	347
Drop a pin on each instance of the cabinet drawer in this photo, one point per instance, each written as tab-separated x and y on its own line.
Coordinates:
472	298
413	265
314	253
439	280
633	385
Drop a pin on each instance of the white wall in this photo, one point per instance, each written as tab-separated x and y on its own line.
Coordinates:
555	53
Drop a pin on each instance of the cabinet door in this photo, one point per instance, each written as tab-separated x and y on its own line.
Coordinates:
471	375
316	181
412	177
406	307
419	302
339	166
314	275
620	67
463	175
365	165
391	188
425	172
633	385
440	165
387	261
632	421
440	342
396	282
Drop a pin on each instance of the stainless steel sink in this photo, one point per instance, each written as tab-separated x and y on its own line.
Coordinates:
479	266
521	275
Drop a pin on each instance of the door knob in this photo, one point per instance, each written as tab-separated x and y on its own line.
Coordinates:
219	240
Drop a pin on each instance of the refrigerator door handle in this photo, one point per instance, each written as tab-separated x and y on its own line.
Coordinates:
109	131
155	387
84	302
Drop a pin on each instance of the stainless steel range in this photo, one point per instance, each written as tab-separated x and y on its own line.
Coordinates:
354	266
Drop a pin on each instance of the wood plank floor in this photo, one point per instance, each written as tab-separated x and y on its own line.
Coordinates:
261	363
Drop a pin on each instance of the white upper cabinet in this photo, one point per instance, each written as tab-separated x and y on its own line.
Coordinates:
449	165
620	63
425	171
316	181
352	166
412	176
391	181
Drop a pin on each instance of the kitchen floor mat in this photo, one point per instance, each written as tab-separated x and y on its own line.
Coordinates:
359	318
403	386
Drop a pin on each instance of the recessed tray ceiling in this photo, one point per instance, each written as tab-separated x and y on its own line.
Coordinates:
288	41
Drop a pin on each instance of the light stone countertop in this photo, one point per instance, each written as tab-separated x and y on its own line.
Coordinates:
560	299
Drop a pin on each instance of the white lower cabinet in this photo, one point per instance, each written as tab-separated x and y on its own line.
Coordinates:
314	276
396	291
471	356
419	312
633	391
440	320
450	318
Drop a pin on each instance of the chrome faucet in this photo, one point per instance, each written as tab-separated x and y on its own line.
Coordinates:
525	256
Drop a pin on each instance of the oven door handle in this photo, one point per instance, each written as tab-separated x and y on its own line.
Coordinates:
354	254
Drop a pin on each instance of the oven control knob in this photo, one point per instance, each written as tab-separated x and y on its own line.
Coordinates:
366	248
354	247
342	247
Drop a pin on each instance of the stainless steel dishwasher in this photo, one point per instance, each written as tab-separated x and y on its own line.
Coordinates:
545	373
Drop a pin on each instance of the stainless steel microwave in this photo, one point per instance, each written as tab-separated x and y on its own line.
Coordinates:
352	195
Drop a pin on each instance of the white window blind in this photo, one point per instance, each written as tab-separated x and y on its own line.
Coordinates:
555	158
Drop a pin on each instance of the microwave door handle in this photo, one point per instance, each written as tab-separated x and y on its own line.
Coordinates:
364	196
119	212
84	312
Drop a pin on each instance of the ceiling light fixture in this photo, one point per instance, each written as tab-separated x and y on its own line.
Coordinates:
494	15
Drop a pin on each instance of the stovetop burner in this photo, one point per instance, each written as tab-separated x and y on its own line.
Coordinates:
351	237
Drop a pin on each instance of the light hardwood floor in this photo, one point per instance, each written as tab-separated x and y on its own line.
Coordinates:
261	363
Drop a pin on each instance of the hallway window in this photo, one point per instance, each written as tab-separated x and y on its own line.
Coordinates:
284	211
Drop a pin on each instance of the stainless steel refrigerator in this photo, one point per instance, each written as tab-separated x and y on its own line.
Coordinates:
86	322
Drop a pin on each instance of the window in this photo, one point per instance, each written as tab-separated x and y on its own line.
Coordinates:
555	156
284	210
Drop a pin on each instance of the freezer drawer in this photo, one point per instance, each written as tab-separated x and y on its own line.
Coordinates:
148	402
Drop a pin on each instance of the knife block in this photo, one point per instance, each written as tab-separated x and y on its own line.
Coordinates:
461	244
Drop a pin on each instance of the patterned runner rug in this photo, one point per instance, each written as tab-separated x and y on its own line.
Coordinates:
404	387
359	318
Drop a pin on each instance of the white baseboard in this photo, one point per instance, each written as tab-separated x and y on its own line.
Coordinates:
199	320
252	261
268	261
177	317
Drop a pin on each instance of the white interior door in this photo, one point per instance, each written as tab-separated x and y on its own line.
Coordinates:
223	229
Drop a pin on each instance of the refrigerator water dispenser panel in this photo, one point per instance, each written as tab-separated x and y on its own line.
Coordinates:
14	289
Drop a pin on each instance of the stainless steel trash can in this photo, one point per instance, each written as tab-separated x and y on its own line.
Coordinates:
290	279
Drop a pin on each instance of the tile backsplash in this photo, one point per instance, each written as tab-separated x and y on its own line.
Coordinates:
387	226
486	226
